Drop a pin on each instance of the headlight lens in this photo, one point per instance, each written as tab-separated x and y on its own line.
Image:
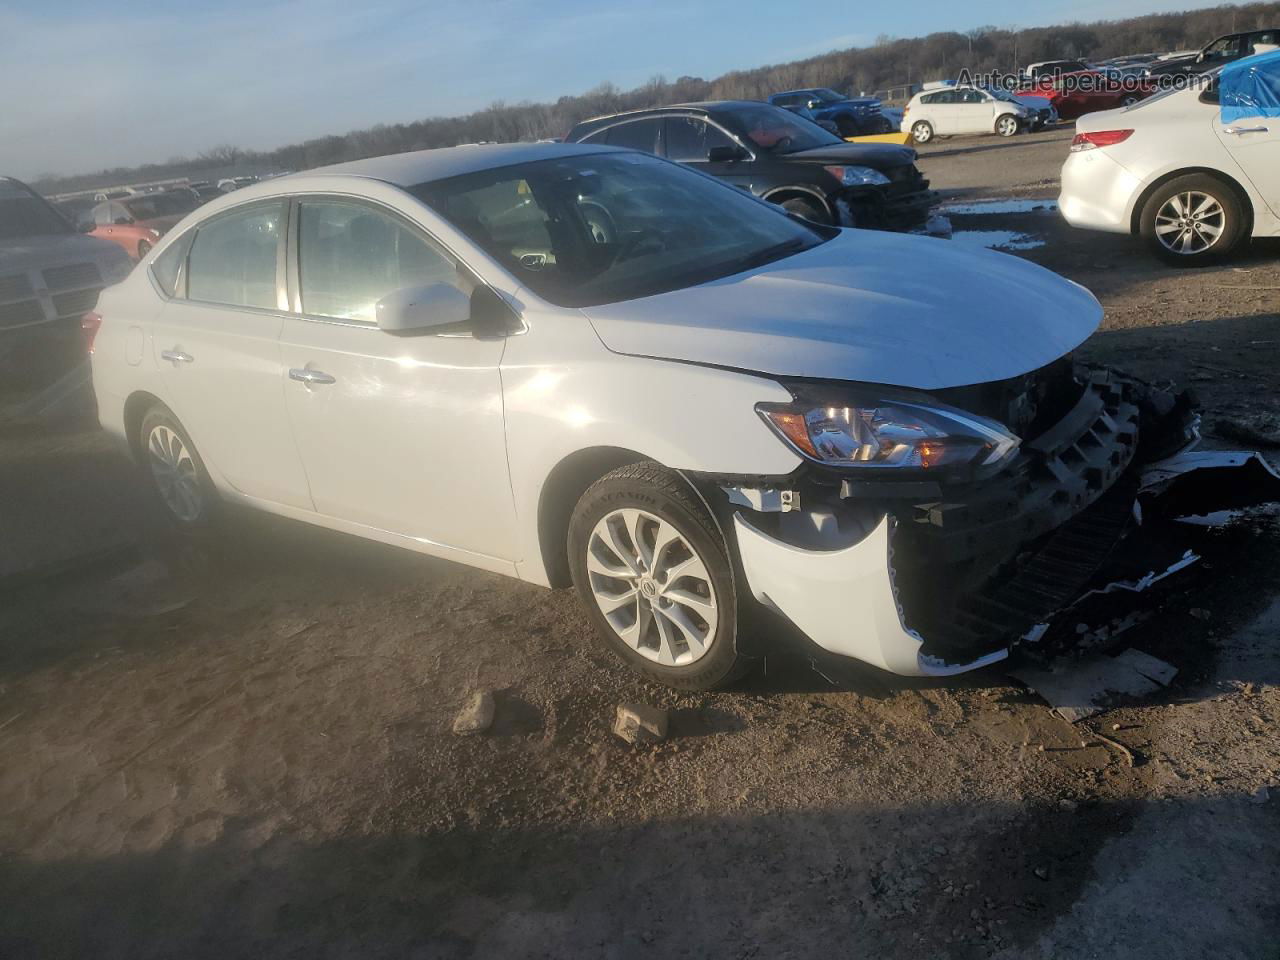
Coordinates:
893	434
857	176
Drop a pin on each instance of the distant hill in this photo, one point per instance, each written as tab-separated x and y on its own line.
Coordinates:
891	61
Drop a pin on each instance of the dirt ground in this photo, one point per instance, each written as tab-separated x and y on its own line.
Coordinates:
242	747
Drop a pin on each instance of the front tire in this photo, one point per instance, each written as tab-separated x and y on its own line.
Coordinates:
654	574
1007	125
808	209
1193	221
177	475
922	131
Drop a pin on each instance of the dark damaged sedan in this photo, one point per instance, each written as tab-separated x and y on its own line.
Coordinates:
778	156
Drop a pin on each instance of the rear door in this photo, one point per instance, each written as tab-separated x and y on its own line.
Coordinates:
1253	139
403	434
217	346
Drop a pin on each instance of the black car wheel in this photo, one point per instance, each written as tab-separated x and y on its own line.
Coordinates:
809	209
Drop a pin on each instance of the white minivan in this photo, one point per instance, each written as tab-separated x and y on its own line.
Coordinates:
580	365
950	111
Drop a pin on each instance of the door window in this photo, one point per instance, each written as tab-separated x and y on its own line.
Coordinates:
233	258
1220	49
637	135
350	256
691	139
973	96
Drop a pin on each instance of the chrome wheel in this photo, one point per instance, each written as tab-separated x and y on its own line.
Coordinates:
652	587
175	474
1007	126
1190	223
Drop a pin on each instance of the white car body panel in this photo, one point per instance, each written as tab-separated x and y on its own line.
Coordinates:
953	119
1101	188
847	311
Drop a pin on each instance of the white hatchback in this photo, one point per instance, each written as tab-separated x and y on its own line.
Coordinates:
581	365
950	111
1169	169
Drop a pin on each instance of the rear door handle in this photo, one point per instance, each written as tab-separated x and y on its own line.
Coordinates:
310	376
1236	131
176	356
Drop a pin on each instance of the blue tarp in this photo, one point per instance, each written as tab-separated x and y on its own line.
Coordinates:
1250	88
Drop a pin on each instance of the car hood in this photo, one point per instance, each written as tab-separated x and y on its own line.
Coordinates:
1035	101
875	307
27	252
877	155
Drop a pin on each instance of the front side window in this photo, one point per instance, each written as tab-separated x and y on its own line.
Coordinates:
350	256
689	139
606	227
1226	47
636	135
233	258
775	130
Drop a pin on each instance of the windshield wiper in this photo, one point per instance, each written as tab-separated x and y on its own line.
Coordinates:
775	252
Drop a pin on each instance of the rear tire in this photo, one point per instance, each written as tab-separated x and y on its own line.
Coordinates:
654	574
1193	221
922	131
809	209
177	475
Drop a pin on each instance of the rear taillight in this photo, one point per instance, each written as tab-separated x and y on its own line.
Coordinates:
1101	138
89	325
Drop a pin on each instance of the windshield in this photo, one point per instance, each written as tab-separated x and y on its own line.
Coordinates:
827	96
774	130
160	205
605	227
24	214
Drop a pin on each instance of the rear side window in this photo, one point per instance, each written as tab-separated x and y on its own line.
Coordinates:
167	266
637	135
350	256
691	139
233	258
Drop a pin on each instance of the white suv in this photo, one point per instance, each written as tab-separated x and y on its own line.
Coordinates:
1171	170
958	110
575	364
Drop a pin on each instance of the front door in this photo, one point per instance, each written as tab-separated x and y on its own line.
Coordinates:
690	140
217	346
1253	137
400	433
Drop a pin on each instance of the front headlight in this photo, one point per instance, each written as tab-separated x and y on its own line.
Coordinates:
893	434
857	176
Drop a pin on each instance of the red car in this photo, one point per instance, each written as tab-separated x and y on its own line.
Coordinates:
1088	91
137	222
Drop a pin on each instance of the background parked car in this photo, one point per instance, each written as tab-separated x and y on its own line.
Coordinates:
48	271
803	111
779	157
1217	53
136	222
1087	91
853	116
1052	68
951	111
1174	172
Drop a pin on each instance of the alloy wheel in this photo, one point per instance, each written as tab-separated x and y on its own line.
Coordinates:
922	132
654	590
175	474
1190	223
1007	126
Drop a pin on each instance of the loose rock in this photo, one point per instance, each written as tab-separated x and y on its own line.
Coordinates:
476	716
640	723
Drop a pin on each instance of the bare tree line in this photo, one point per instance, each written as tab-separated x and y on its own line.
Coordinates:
891	61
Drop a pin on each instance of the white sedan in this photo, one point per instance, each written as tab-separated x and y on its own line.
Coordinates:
582	365
948	111
1171	170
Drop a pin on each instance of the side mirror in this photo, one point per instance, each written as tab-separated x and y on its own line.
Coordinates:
726	154
813	104
418	309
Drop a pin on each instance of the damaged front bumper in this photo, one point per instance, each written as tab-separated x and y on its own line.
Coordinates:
929	581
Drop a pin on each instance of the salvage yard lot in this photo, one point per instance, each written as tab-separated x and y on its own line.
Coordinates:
243	747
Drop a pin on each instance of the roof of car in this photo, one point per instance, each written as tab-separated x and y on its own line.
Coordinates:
421	166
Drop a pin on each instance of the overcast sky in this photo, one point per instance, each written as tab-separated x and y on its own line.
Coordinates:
90	84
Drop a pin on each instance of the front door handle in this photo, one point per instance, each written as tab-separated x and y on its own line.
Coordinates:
309	376
176	356
1236	131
